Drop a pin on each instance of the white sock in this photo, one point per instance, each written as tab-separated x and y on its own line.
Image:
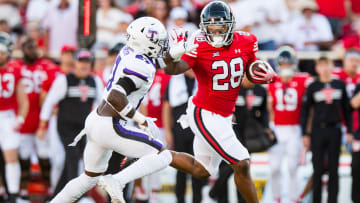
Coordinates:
144	166
74	189
12	175
42	147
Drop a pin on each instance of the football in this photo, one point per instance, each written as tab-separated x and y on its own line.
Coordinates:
260	72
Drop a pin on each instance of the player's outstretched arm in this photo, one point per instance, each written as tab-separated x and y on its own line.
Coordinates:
174	63
174	68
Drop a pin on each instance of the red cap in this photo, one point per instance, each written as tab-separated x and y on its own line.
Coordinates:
67	48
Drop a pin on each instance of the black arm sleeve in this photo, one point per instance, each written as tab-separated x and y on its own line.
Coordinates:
307	103
264	110
128	85
347	110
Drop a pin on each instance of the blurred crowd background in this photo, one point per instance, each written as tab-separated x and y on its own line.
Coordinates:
50	29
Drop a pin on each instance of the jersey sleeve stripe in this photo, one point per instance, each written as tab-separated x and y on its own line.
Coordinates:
139	75
192	55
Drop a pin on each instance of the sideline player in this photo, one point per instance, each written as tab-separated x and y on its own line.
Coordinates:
34	71
284	104
12	93
219	63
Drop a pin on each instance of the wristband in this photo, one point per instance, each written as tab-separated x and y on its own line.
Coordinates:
139	118
43	127
126	110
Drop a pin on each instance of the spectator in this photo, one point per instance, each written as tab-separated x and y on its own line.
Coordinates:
160	11
244	15
33	30
37	9
349	42
9	13
75	93
125	21
178	18
110	59
330	103
334	11
180	89
355	7
108	23
271	15
60	24
4	26
144	8
309	31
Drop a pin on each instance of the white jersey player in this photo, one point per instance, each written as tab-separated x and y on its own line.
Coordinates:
107	129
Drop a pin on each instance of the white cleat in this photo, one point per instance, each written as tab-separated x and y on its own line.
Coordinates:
113	187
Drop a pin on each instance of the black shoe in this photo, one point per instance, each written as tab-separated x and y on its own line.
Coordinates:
12	198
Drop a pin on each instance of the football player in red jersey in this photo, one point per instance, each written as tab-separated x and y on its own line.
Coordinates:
350	76
12	96
34	71
219	62
285	99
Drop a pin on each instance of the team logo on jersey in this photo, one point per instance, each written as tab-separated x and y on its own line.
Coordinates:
237	51
84	92
255	46
215	54
328	95
250	98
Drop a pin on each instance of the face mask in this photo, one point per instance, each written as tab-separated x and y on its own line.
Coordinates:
218	41
286	72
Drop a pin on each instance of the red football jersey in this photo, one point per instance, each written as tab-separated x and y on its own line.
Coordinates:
155	96
350	82
219	71
9	78
33	77
287	98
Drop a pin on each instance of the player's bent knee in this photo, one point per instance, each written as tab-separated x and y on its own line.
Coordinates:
242	168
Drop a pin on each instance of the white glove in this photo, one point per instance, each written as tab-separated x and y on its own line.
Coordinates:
18	123
261	72
151	127
178	45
